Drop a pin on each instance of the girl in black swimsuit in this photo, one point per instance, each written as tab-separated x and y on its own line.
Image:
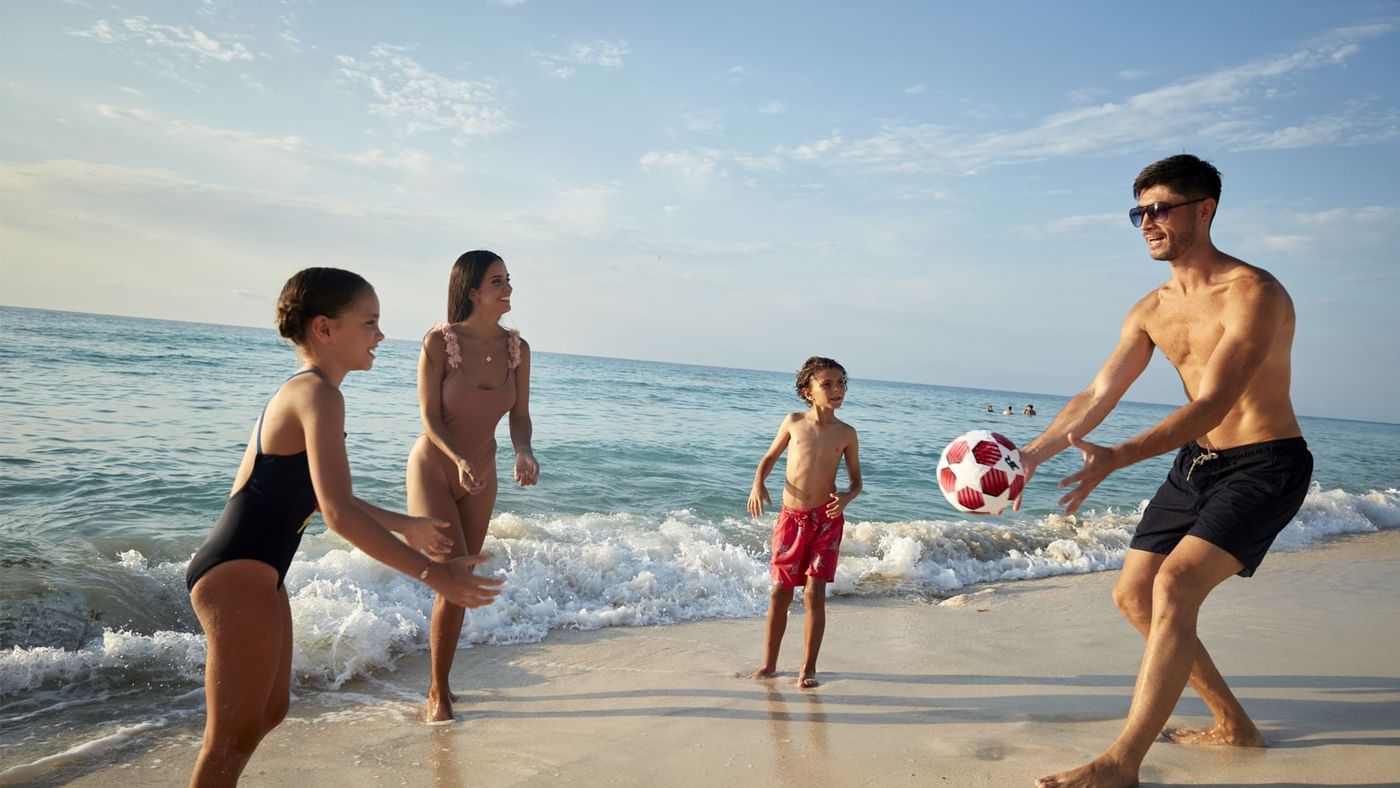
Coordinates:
294	465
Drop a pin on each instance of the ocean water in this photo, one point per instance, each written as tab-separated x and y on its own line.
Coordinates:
119	438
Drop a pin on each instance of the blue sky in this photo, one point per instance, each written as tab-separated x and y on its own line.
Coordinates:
929	192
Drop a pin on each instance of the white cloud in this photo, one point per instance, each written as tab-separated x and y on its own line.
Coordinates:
100	31
1356	240
915	90
1222	109
509	3
254	85
413	99
1130	74
276	152
773	107
698	165
693	165
109	111
1077	225
1085	95
600	53
187	43
710	122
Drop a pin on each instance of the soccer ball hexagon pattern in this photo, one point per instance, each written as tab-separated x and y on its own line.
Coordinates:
980	472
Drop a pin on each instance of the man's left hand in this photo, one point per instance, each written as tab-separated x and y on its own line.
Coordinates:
1099	462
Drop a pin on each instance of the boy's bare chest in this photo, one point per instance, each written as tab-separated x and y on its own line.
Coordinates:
815	442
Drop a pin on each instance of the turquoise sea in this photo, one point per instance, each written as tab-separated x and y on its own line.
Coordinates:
119	438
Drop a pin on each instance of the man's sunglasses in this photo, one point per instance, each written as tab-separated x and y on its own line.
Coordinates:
1157	211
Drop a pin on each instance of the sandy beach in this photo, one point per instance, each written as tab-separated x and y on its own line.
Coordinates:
992	688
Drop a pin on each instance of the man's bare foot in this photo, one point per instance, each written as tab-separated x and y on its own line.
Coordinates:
439	707
1217	735
807	681
1095	774
760	674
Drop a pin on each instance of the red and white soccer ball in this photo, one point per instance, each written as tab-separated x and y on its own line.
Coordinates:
980	472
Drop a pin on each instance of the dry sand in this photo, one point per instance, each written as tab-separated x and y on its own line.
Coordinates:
1011	681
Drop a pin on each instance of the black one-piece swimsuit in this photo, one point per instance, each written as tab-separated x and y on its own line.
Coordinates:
264	519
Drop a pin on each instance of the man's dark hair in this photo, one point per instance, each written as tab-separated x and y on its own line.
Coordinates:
1184	174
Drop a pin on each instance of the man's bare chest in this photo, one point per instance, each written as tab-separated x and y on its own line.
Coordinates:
1186	330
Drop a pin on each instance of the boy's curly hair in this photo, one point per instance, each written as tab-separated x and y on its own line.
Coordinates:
811	367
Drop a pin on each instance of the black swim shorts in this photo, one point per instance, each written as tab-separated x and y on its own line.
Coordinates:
1237	499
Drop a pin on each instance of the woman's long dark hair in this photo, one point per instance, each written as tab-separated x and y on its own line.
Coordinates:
467	274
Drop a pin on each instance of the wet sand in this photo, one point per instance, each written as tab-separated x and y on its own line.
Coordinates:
994	688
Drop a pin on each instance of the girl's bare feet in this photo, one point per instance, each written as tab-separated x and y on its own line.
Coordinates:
1217	735
439	707
1095	774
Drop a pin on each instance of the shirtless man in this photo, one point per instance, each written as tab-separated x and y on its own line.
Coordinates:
1240	475
808	530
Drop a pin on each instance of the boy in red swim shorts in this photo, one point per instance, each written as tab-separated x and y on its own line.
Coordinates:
807	534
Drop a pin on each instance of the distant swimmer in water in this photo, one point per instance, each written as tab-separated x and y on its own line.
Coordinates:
1029	410
1008	411
295	464
991	409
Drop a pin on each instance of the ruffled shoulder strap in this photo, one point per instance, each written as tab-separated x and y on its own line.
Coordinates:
454	349
513	347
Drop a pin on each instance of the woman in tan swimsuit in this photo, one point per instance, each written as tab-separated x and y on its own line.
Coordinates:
471	372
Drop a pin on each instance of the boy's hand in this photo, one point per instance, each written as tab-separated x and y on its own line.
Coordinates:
837	505
758	498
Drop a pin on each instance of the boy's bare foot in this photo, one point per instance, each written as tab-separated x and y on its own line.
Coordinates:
439	707
760	674
807	681
1217	735
1095	774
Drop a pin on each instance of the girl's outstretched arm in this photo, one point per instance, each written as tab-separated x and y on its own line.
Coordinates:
321	410
424	534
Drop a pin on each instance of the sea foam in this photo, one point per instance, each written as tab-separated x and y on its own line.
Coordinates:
353	616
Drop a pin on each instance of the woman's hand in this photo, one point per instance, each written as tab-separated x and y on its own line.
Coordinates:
466	476
428	536
527	468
